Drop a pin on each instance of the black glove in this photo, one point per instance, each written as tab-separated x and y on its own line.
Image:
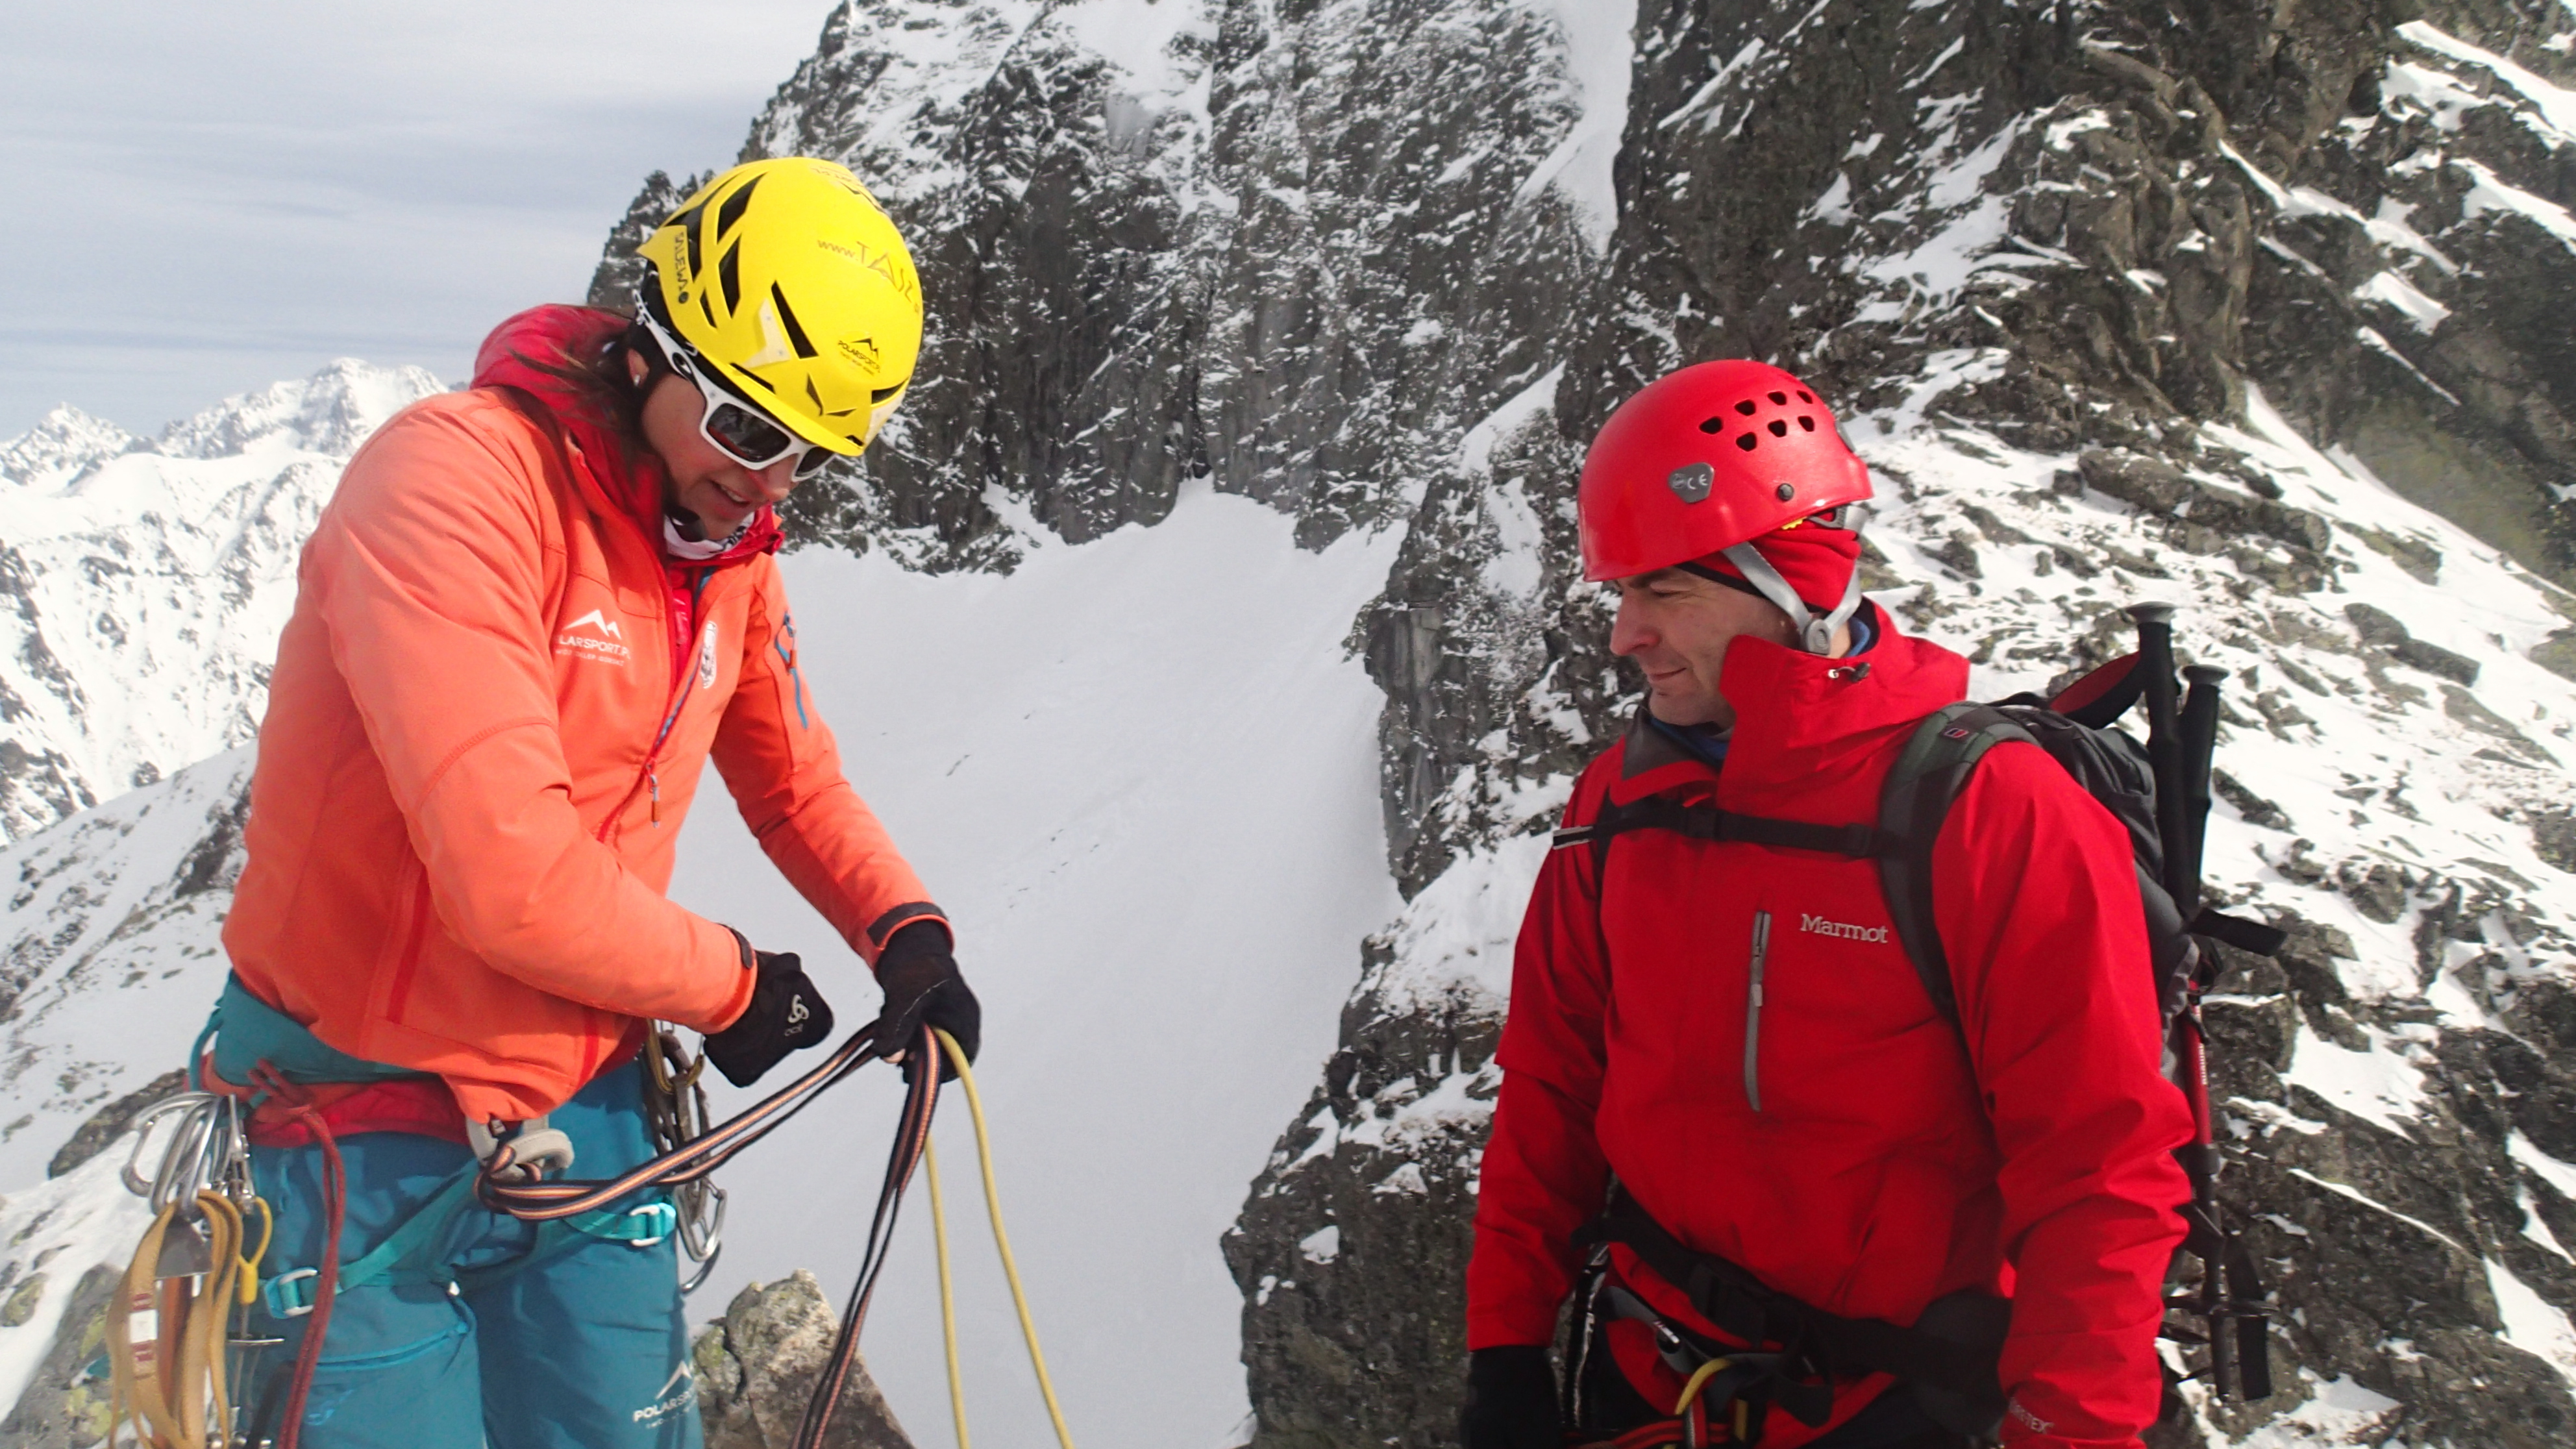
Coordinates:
786	1014
1511	1399
922	985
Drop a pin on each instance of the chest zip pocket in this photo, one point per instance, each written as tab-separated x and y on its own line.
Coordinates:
1753	1011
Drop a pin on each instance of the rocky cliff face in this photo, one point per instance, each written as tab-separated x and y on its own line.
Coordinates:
2101	285
2251	307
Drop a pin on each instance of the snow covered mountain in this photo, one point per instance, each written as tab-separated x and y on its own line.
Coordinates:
143	584
2233	309
1266	338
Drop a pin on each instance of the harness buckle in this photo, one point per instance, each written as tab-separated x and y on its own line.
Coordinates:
290	1294
662	1220
537	1151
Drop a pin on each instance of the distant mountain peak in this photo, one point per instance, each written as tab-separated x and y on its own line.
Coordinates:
59	446
328	412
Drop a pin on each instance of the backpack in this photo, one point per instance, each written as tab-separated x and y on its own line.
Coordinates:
2159	792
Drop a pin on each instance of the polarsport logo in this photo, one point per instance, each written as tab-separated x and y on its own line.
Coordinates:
678	1392
609	648
1840	930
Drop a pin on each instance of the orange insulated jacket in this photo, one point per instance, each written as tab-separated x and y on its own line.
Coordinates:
489	714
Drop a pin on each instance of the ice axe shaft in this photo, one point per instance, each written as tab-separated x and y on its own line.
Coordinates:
2164	738
2199	746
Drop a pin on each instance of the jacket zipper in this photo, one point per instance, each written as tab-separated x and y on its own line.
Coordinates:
680	682
1753	1011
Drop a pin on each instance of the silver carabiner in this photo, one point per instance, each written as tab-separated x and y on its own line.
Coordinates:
182	1169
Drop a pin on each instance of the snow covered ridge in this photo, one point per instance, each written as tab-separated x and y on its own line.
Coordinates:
143	583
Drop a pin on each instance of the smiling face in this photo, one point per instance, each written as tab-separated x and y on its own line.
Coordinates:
1677	626
700	481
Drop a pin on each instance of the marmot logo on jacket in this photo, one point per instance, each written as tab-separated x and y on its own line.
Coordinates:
1818	925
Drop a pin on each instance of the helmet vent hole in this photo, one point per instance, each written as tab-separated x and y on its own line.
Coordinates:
1804	396
1807	423
1780	399
729	215
1747	441
1779	429
1745	407
1712	425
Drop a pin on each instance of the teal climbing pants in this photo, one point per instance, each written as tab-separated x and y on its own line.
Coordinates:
477	1328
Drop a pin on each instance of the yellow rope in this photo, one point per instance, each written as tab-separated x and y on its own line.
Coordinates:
1002	1239
947	1292
1699	1378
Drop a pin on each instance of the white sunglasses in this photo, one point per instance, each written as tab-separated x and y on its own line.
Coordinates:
733	425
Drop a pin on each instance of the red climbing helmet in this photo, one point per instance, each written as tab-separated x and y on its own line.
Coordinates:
1707	458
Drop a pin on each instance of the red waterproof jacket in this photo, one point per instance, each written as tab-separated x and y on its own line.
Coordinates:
1838	1142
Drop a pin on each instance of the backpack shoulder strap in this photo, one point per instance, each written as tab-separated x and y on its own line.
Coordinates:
1916	798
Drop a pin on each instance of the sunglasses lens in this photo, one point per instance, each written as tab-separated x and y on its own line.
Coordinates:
812	463
754	441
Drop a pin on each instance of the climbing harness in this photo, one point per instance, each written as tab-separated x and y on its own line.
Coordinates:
518	1170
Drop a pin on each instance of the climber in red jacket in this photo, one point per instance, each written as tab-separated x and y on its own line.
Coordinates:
1724	1041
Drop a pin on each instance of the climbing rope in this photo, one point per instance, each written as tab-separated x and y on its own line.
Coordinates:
693	1152
947	1291
1010	1267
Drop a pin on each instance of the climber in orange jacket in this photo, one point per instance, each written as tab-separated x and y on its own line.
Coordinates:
530	614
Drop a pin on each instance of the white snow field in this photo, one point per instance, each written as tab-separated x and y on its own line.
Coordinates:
1140	773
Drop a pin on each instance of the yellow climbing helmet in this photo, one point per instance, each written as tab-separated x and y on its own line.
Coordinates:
793	284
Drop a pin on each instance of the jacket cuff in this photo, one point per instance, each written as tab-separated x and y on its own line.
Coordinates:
882	929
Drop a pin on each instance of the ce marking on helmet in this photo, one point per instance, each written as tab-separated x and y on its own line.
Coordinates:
1691	482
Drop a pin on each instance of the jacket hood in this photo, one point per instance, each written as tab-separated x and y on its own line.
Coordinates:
1808	729
628	479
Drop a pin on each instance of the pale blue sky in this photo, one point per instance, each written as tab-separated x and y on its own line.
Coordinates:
213	197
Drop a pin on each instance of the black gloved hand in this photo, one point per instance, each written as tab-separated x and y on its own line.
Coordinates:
786	1014
1511	1399
922	985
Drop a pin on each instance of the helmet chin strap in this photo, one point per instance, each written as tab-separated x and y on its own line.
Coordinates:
1815	635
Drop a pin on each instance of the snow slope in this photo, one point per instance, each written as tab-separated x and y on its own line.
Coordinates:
1140	773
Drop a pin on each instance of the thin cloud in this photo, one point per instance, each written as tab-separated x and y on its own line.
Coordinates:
238	194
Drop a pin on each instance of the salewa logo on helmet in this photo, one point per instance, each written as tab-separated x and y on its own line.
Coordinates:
1841	930
608	648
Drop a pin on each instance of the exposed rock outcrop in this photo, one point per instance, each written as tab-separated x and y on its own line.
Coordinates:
756	1367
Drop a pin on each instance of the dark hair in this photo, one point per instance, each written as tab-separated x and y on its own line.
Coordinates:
602	392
